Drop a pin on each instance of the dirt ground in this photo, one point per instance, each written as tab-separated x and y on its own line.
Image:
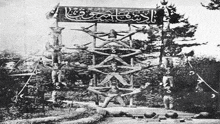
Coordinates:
126	120
160	111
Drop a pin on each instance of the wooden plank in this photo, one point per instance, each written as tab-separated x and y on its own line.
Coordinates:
23	74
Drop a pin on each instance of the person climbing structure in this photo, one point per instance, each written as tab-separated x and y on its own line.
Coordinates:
56	72
56	33
55	44
56	75
168	84
112	35
114	72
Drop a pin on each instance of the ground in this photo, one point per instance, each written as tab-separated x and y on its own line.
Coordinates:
187	117
125	119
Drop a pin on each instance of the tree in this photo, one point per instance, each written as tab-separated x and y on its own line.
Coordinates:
213	5
176	27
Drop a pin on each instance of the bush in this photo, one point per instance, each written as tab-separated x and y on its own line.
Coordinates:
8	88
187	97
195	102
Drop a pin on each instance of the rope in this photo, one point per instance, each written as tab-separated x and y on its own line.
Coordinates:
27	81
206	83
202	78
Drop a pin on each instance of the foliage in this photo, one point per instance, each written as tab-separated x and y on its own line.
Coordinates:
208	69
186	30
213	5
195	102
7	54
80	95
181	29
152	97
8	84
67	113
85	57
186	93
185	86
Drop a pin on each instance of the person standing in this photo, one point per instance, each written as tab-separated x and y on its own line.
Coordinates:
168	99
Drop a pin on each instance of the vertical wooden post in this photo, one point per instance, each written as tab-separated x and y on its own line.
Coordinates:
93	57
93	62
162	37
218	96
57	25
43	99
56	22
218	102
162	46
132	64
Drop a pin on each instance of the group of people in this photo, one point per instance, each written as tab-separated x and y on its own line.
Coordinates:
113	91
55	44
168	84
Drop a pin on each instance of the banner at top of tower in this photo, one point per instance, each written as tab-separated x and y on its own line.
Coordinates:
110	15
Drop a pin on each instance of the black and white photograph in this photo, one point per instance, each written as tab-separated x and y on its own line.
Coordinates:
110	61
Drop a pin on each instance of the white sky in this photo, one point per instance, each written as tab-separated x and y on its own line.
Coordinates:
23	23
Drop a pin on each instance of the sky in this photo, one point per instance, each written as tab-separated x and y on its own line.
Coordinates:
24	27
